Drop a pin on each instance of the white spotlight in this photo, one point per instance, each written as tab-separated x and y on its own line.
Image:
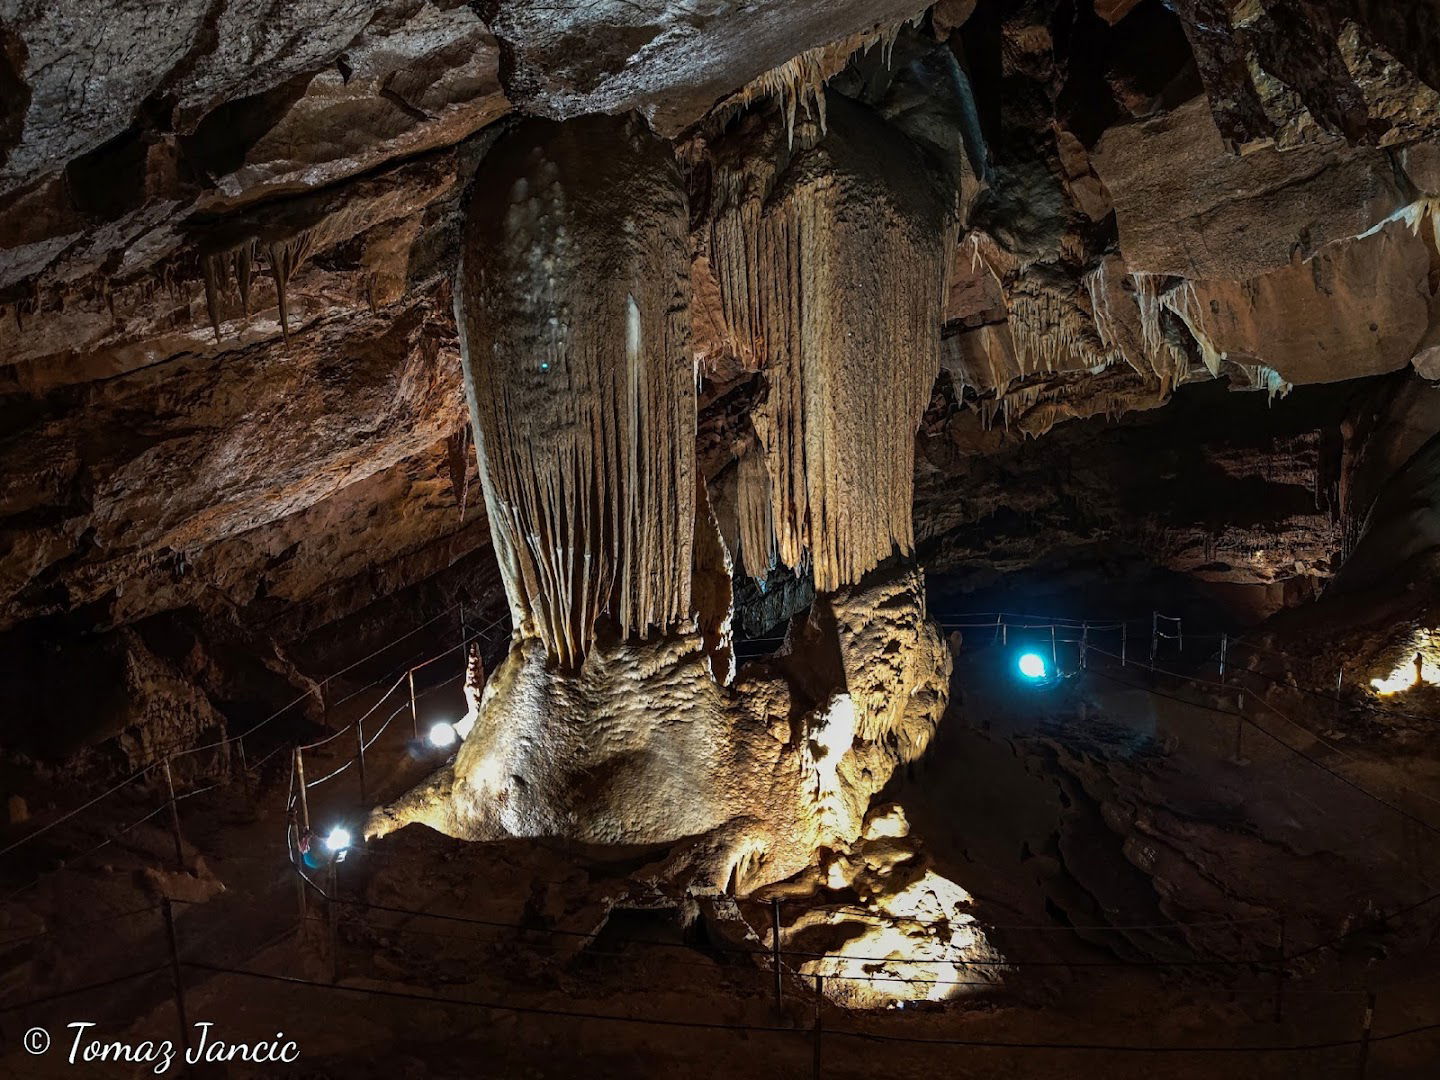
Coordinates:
339	838
443	735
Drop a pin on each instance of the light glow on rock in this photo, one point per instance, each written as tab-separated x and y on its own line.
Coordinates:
914	945
1420	666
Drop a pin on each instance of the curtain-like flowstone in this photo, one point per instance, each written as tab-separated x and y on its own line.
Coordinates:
831	263
573	310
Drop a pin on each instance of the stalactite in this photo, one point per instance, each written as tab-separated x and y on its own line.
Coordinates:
243	259
799	83
1184	303
835	275
573	308
217	268
457	447
210	269
285	257
757	523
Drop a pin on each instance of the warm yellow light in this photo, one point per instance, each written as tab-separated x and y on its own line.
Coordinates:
916	945
1424	645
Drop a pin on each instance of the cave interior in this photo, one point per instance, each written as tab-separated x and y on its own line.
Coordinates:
648	537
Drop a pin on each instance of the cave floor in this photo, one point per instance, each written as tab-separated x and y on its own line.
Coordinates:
1086	819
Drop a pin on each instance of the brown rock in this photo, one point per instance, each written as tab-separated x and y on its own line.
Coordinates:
1186	206
1356	308
1112	11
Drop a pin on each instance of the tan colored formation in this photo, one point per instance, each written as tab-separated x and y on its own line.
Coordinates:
617	717
573	313
831	266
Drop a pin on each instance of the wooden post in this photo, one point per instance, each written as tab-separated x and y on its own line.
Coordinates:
1280	974
174	817
1224	650
414	717
179	982
775	952
1367	1020
819	1023
360	756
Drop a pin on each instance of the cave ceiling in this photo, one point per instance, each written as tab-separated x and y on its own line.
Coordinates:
229	369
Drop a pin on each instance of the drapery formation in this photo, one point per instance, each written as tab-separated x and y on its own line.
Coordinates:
832	270
573	303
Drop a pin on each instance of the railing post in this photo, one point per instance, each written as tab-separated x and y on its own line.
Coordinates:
775	952
414	717
999	628
174	817
1224	651
1280	974
332	916
1367	1020
1004	633
300	784
360	756
1054	653
1124	643
179	982
819	1022
1084	643
1339	681
1154	636
1239	726
244	765
301	899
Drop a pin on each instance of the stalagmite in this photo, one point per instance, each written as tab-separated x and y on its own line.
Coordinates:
573	307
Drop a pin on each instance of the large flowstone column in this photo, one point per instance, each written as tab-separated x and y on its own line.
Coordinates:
614	719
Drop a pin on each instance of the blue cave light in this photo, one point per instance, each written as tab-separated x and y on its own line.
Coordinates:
1032	665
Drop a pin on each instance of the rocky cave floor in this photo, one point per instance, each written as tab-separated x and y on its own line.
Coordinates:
1120	858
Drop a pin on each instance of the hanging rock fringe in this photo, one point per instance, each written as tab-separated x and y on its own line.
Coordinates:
573	307
832	274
